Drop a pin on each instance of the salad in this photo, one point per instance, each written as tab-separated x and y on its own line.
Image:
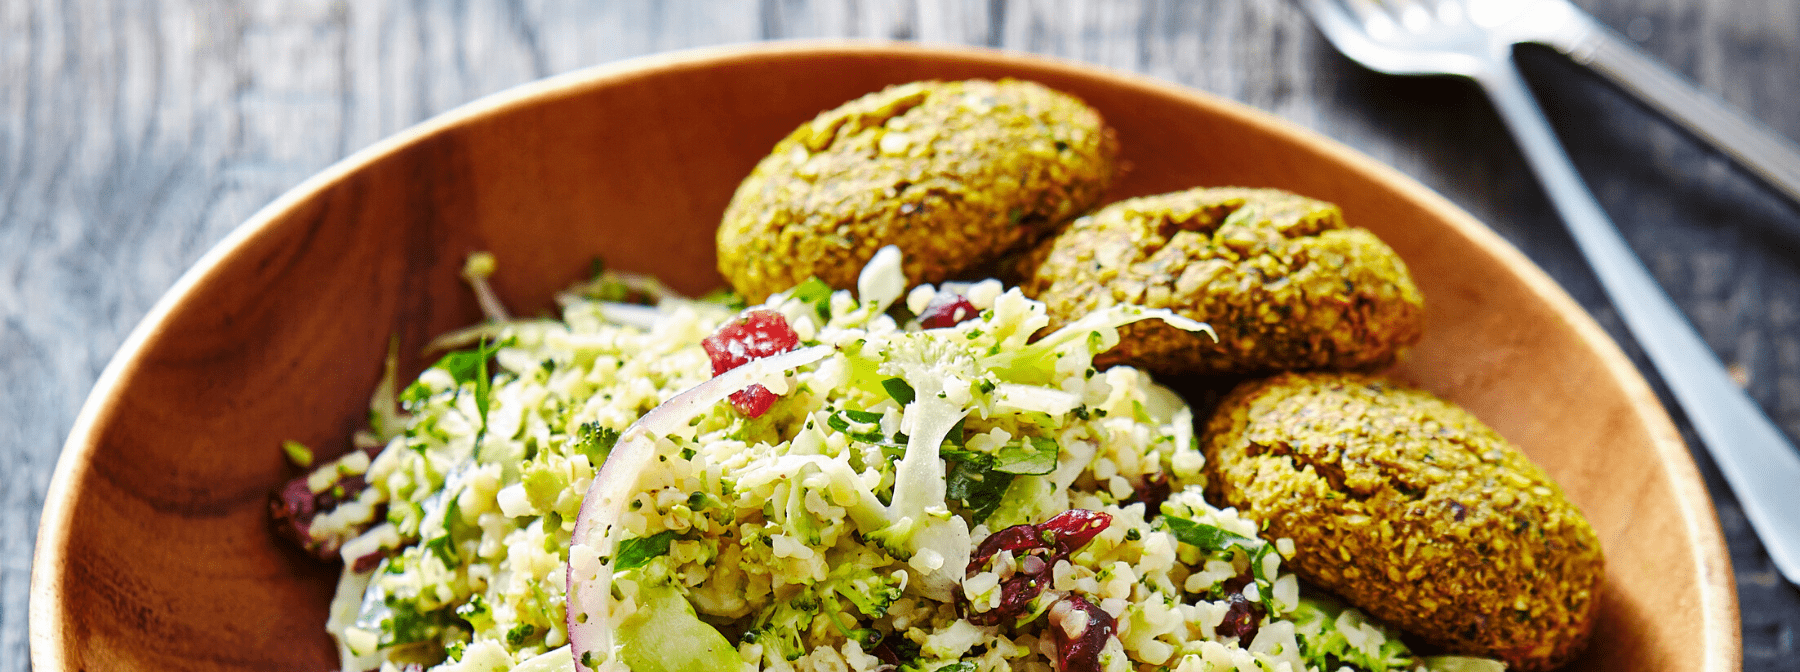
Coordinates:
830	480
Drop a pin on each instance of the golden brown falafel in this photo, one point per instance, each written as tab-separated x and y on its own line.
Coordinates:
1413	510
954	173
1281	278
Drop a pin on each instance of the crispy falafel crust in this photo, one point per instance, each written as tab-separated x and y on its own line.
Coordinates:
954	173
1282	279
1413	510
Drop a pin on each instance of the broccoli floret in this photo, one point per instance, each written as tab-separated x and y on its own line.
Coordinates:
780	625
851	596
871	593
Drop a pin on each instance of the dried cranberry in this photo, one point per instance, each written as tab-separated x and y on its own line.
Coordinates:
1036	550
1072	529
1080	652
293	507
947	310
368	561
753	401
759	334
884	653
1153	492
1017	538
1241	615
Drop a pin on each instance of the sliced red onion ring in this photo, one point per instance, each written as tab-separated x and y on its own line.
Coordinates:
590	604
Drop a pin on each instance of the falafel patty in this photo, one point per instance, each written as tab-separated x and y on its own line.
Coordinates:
1282	279
1413	510
954	173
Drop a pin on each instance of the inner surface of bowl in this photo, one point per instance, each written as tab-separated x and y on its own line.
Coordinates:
156	550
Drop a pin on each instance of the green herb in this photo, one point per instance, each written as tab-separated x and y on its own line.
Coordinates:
1206	537
298	453
974	484
444	548
1034	456
1212	539
635	553
466	366
856	425
814	292
958	666
898	389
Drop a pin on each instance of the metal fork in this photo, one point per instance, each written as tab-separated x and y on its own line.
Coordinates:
1474	38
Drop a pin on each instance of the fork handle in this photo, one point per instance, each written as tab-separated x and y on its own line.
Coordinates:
1756	459
1764	152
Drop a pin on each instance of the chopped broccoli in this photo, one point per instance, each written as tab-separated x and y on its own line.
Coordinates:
1326	629
853	593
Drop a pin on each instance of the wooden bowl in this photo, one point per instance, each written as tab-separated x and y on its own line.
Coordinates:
155	550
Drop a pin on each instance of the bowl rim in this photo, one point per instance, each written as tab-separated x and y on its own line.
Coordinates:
1720	637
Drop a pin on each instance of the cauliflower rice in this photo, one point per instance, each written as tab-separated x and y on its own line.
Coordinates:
800	539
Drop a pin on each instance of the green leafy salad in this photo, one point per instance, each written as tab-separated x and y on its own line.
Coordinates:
830	481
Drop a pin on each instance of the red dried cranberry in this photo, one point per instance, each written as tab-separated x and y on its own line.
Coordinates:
1036	550
753	401
1081	652
293	507
1241	615
947	310
759	334
1017	539
1153	492
1072	529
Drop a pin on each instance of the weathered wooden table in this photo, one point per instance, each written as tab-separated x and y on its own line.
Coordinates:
133	135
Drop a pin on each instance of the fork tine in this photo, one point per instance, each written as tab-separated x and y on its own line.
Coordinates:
1344	28
1367	17
1416	16
1333	19
1365	9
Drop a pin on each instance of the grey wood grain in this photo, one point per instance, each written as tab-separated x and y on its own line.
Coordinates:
135	134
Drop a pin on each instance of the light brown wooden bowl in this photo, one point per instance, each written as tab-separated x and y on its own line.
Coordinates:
155	550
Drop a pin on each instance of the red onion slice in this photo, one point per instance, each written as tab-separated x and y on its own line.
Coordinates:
590	604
